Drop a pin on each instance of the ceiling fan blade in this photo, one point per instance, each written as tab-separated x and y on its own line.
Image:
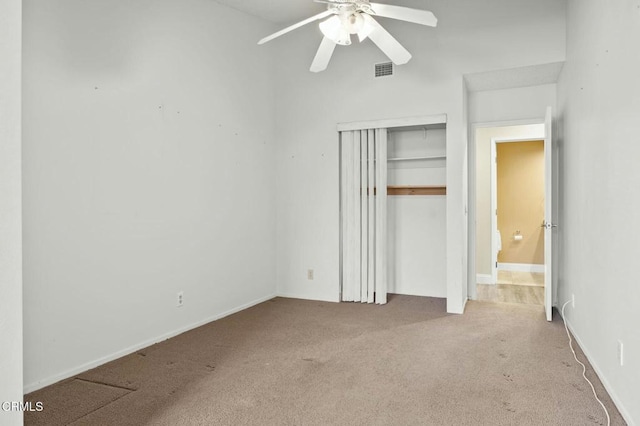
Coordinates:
422	17
294	26
385	41
323	55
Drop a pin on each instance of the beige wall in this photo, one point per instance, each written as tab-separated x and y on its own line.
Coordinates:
483	184
520	172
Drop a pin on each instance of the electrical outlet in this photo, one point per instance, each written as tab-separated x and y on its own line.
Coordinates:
620	353
180	299
310	274
573	300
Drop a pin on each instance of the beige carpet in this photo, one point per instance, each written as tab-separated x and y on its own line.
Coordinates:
295	362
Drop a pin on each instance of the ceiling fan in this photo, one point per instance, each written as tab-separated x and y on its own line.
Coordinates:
347	17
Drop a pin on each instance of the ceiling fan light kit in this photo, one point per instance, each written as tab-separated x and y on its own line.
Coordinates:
350	17
334	29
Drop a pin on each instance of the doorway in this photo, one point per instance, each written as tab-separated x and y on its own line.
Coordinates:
509	264
482	239
517	209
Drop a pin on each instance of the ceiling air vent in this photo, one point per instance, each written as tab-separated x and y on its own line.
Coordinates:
384	69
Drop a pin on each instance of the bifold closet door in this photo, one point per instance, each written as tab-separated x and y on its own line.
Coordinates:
363	192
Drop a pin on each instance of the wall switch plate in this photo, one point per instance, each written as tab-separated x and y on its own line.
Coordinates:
621	353
180	299
310	274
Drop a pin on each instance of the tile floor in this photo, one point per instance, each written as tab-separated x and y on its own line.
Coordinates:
514	287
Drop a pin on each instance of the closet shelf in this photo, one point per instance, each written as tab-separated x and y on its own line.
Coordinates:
416	190
431	157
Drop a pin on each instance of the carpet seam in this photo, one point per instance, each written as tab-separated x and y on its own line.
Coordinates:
106	384
98	409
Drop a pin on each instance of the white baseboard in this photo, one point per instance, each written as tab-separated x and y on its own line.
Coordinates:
305	297
520	267
614	397
484	279
30	387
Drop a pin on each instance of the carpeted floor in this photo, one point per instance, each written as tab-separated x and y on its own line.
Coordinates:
297	362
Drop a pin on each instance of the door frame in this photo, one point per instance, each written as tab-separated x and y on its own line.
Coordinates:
472	192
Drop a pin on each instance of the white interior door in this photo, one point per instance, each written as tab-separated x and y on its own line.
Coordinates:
548	224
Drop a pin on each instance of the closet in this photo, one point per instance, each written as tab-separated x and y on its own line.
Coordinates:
416	210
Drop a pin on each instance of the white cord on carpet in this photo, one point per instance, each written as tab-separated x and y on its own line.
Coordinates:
584	369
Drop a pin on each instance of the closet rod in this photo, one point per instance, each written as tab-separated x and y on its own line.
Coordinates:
416	190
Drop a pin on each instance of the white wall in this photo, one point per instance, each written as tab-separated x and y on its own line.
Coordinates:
521	103
416	245
148	170
10	209
470	37
599	106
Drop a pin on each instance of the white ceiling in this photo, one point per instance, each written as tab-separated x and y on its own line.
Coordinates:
277	11
286	12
